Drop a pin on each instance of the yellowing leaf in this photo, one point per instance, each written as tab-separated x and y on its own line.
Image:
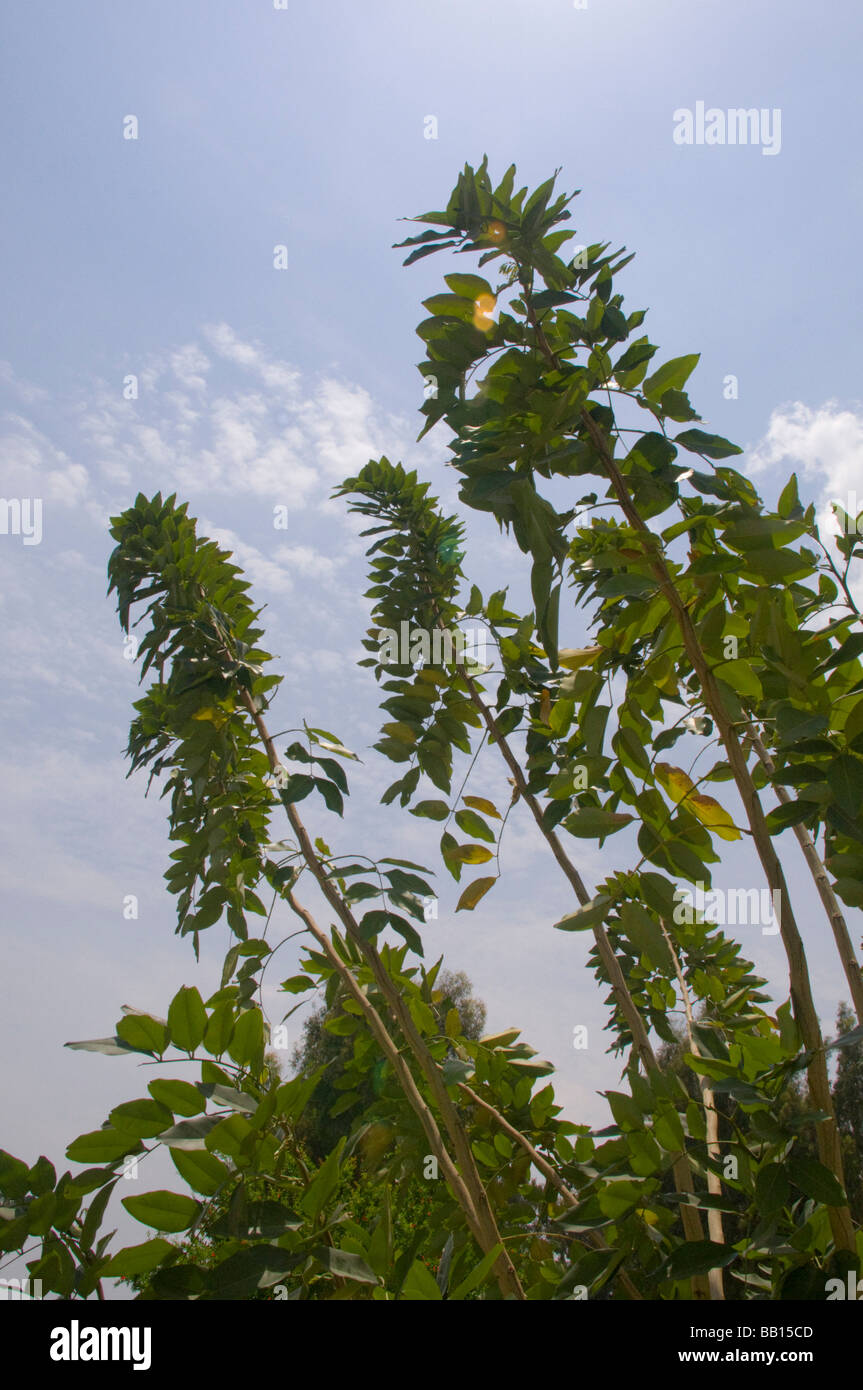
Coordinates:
472	854
453	1023
714	816
403	733
484	307
545	706
676	782
573	658
681	788
212	715
479	803
472	894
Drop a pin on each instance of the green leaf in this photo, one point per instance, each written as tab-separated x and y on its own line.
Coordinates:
323	1185
431	809
242	1274
420	1285
203	1171
472	824
297	984
846	782
187	1018
741	677
189	1134
455	1070
143	1118
181	1097
143	1033
101	1146
346	1264
138	1259
645	933
788	505
713	446
592	822
468	286
247	1043
220	1029
43	1176
772	1189
590	915
163	1211
671	376
478	1275
299	786
699	1257
627	1115
850	649
815	1180
449	305
790	813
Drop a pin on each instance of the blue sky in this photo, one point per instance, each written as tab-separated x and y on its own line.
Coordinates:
260	387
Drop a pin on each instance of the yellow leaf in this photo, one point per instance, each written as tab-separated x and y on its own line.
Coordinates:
472	894
483	309
714	816
681	788
472	854
573	658
676	782
545	706
453	1023
212	715
479	803
402	733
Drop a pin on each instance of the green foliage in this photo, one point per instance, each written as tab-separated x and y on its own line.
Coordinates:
412	1158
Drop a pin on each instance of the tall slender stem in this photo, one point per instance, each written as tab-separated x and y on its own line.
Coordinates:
835	915
829	1144
486	1224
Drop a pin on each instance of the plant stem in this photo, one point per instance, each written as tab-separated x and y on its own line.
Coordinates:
829	1144
711	1118
550	1173
835	915
692	1227
478	1208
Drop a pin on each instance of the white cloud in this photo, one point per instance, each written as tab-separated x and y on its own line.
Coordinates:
262	571
310	562
277	376
825	444
187	364
24	389
32	464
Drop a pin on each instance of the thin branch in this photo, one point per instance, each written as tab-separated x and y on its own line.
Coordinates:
548	1172
484	1222
835	915
711	1117
829	1143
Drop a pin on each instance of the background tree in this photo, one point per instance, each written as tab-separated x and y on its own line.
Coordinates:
325	1121
848	1100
